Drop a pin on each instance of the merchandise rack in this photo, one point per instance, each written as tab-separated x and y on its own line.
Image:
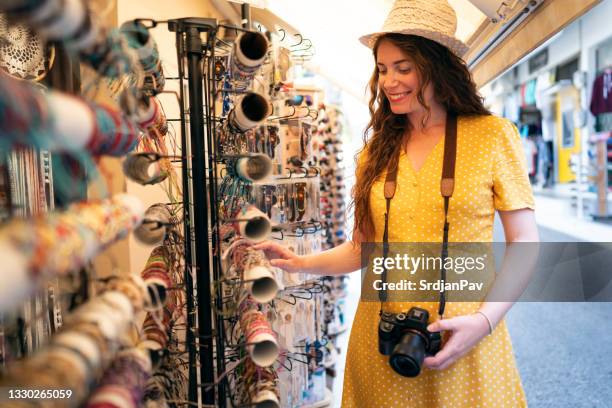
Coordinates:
199	203
200	158
196	40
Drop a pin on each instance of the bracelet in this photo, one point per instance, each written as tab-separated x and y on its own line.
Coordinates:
488	321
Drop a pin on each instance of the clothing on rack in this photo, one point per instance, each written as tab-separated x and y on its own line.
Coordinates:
601	95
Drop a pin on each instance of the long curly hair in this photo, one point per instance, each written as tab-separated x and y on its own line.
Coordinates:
453	88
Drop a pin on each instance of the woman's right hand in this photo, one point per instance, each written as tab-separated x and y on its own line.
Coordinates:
281	257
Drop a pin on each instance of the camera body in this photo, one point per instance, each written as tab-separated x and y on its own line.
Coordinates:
405	338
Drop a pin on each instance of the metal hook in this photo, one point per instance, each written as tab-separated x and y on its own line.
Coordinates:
297	360
284	117
305	170
284	33
283	364
307	115
301	39
158	224
152	22
317	225
282	234
298	232
291	303
305	298
307	47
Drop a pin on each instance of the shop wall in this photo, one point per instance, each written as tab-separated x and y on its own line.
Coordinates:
563	47
579	38
162	10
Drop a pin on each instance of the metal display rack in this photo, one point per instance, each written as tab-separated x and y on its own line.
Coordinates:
196	39
195	61
201	210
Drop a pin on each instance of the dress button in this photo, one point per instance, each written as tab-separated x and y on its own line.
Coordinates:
415	184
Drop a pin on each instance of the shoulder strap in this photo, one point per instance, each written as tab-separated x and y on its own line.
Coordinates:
447	185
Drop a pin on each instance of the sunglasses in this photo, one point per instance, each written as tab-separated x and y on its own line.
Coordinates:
300	200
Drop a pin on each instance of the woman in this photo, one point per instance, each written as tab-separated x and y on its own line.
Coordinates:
420	81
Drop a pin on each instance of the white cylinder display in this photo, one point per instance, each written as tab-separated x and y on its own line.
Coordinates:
249	111
152	230
253	224
248	53
254	168
263	349
265	399
74	122
143	168
261	283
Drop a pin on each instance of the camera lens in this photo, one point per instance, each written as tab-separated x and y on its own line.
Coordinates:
408	355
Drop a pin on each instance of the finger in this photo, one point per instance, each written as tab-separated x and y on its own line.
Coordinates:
263	246
283	264
271	250
440	358
448	363
441	325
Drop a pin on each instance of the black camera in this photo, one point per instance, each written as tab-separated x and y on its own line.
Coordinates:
405	338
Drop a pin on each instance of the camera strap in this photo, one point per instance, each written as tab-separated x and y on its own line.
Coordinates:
447	185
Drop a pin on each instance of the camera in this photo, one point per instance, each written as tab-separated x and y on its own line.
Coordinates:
405	338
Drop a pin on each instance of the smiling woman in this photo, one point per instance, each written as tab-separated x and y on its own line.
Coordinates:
410	70
398	78
419	86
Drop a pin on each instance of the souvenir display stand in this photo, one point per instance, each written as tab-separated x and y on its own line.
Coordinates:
208	321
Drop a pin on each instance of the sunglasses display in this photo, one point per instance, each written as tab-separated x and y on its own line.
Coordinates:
328	156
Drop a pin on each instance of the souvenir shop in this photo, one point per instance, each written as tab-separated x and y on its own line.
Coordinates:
141	160
558	96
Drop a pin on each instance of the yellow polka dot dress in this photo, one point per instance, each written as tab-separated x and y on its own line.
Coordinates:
490	175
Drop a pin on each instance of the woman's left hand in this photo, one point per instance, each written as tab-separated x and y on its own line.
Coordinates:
466	332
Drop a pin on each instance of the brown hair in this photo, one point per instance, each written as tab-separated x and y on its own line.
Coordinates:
453	88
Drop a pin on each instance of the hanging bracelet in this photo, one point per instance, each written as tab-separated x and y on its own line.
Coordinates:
488	321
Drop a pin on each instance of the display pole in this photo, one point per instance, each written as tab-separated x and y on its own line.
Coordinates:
199	186
189	264
246	16
210	90
193	47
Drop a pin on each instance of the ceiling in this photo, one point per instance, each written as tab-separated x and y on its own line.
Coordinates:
334	27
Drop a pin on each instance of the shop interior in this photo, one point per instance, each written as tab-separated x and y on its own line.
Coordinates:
145	146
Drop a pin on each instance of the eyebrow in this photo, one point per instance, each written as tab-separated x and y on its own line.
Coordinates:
395	62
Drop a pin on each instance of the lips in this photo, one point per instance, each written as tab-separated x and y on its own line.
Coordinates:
398	97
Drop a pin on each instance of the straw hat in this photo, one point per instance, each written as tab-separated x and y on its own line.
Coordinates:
432	19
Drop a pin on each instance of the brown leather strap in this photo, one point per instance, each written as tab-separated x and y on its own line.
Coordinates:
447	184
391	182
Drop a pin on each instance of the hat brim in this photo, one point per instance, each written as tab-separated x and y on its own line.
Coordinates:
455	45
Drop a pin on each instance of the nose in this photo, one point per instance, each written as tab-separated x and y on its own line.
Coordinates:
389	81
